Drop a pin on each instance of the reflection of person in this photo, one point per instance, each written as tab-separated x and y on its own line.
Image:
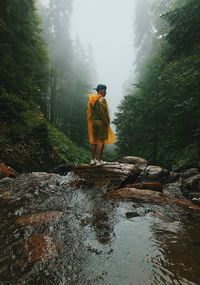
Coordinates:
99	129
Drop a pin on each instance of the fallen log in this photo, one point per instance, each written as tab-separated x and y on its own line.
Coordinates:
149	196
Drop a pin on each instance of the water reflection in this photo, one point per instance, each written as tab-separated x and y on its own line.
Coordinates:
94	241
177	241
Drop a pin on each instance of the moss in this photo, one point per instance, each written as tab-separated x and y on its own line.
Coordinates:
64	147
29	143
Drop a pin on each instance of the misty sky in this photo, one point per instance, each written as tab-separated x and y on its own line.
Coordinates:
108	26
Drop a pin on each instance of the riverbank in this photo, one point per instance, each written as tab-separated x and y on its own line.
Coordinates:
64	230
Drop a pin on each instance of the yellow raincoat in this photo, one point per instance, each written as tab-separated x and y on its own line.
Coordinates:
110	137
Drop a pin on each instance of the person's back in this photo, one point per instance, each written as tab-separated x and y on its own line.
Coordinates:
99	129
100	119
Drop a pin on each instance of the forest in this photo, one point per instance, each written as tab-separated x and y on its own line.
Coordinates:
44	81
131	217
45	77
159	117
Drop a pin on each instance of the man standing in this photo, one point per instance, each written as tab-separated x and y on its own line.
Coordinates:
99	129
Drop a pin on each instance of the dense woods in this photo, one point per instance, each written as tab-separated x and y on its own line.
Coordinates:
69	78
66	218
159	117
43	79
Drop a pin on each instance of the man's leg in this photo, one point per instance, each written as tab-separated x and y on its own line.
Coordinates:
93	150
100	150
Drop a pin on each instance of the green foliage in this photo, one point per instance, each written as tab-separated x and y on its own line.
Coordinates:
187	156
23	68
27	141
11	107
160	118
63	146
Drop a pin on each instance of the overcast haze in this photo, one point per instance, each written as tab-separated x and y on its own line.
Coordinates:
108	26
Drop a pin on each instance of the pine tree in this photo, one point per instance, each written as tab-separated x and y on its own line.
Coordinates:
23	68
160	118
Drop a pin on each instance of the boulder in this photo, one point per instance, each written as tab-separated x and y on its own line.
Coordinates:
109	176
140	162
193	183
189	172
153	172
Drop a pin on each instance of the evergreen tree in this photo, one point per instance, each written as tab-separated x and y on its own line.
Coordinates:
160	118
69	79
23	68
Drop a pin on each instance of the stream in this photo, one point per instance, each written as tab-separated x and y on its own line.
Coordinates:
87	239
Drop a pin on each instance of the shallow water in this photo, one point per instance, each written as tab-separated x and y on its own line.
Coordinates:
96	241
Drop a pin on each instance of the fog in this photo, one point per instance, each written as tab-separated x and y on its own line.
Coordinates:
108	27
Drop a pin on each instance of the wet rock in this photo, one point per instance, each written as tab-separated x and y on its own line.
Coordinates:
132	215
173	177
139	212
153	172
44	177
193	183
6	171
94	250
194	195
149	196
77	183
109	176
156	186
189	172
63	169
140	162
38	218
40	248
174	189
196	201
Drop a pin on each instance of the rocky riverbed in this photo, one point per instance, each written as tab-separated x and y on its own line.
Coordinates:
70	229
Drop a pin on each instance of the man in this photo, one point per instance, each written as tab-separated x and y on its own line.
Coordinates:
99	129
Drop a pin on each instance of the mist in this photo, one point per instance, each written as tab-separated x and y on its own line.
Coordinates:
107	26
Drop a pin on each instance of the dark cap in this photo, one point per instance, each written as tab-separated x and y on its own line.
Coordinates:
101	87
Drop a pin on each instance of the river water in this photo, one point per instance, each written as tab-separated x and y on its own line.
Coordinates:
95	241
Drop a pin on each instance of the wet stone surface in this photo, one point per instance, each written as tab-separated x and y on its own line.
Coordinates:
75	236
